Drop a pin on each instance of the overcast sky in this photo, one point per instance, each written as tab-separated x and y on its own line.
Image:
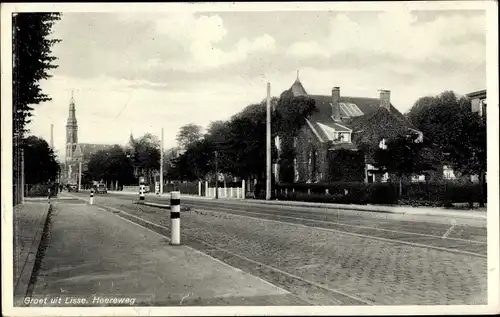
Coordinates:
140	72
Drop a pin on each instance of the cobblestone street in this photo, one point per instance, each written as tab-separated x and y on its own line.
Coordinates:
326	267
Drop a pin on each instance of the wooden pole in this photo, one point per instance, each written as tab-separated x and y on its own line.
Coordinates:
268	143
161	163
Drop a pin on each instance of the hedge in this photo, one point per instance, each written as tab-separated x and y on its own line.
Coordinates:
433	194
40	190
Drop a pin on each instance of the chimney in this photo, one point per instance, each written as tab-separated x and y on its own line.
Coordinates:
335	103
385	99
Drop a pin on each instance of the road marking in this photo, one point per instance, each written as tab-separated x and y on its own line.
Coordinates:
184	297
344	224
453	224
364	236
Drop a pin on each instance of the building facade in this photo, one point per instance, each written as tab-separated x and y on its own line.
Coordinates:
331	145
478	102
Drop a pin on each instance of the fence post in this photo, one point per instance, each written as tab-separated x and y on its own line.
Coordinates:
243	189
175	216
199	188
206	189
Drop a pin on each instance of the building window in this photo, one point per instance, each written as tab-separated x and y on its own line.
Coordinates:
382	145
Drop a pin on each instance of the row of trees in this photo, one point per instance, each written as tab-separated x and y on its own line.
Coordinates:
453	136
32	62
123	164
237	146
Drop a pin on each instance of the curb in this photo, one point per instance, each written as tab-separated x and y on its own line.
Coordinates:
379	209
153	204
24	283
366	208
163	206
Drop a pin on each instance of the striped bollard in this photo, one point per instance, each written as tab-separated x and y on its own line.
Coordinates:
92	196
175	215
141	192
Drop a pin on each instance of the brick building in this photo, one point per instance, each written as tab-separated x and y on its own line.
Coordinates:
341	125
478	102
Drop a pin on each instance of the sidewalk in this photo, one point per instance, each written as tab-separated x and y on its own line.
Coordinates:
96	255
29	220
422	211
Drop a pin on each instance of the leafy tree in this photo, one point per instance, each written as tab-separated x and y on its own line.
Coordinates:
403	157
188	134
32	61
453	130
145	155
40	165
110	165
290	116
195	162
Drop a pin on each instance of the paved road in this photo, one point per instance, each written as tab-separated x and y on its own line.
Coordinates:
94	257
333	258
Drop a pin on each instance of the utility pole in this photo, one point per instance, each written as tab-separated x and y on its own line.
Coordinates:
80	176
22	176
52	136
216	176
268	144
161	163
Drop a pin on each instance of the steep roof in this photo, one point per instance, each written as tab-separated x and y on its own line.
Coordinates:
297	89
359	115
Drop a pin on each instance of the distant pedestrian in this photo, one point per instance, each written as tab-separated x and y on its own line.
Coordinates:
60	188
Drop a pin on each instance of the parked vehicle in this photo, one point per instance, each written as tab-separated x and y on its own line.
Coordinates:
72	188
100	189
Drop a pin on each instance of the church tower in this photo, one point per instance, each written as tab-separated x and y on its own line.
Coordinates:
71	131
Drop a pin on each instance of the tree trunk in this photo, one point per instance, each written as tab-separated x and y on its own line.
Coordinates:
482	181
400	194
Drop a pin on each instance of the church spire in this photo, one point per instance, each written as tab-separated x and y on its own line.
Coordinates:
71	130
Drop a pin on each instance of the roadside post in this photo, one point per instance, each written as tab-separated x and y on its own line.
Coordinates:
91	196
175	216
141	188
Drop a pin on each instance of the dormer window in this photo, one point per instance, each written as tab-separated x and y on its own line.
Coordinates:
343	137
